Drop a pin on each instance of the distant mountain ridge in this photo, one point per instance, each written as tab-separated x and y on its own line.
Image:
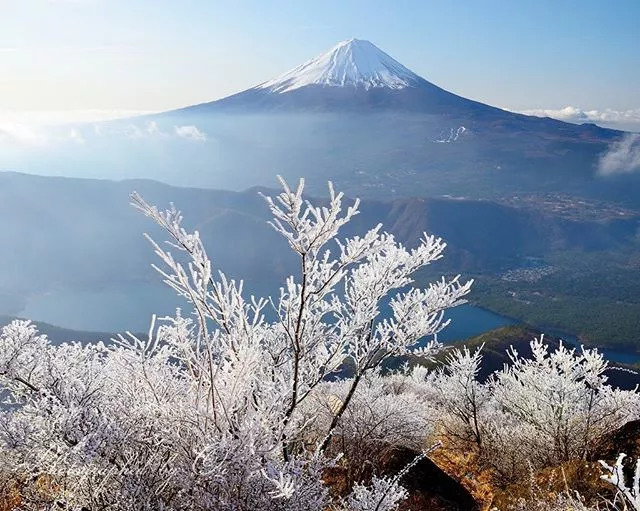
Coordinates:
82	234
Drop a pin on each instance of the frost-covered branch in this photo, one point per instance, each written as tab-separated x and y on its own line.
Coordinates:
616	477
211	409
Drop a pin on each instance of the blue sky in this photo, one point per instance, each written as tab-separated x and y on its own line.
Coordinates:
139	55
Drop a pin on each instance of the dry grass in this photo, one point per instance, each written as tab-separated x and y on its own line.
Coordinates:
10	496
571	478
26	494
462	463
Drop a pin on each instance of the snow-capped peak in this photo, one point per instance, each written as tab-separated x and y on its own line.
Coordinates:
353	63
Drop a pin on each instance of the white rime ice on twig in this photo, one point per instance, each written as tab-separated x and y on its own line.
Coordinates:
615	476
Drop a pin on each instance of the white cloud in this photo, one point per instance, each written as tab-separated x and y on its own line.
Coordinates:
190	132
40	128
35	129
136	131
76	136
152	128
56	117
17	134
568	113
22	134
623	156
619	119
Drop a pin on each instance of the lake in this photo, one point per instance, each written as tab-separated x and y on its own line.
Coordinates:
120	309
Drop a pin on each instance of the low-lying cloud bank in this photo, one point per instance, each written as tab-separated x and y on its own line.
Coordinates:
34	134
17	133
628	120
623	157
190	132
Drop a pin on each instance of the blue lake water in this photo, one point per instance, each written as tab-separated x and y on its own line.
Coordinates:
615	355
118	309
114	309
468	321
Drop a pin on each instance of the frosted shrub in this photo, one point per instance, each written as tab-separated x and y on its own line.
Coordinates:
562	400
384	414
460	398
211	410
535	412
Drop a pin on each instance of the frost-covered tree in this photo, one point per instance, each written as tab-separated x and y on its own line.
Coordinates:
562	401
537	411
460	398
385	413
209	411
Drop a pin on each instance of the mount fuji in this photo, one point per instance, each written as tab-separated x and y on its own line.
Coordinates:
354	75
353	63
358	117
361	118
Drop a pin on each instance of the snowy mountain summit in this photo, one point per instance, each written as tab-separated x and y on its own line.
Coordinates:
354	63
354	75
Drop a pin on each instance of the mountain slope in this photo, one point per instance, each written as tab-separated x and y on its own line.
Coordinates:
357	116
354	75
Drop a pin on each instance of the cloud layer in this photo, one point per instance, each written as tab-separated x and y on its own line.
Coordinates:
623	157
33	129
190	132
621	119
